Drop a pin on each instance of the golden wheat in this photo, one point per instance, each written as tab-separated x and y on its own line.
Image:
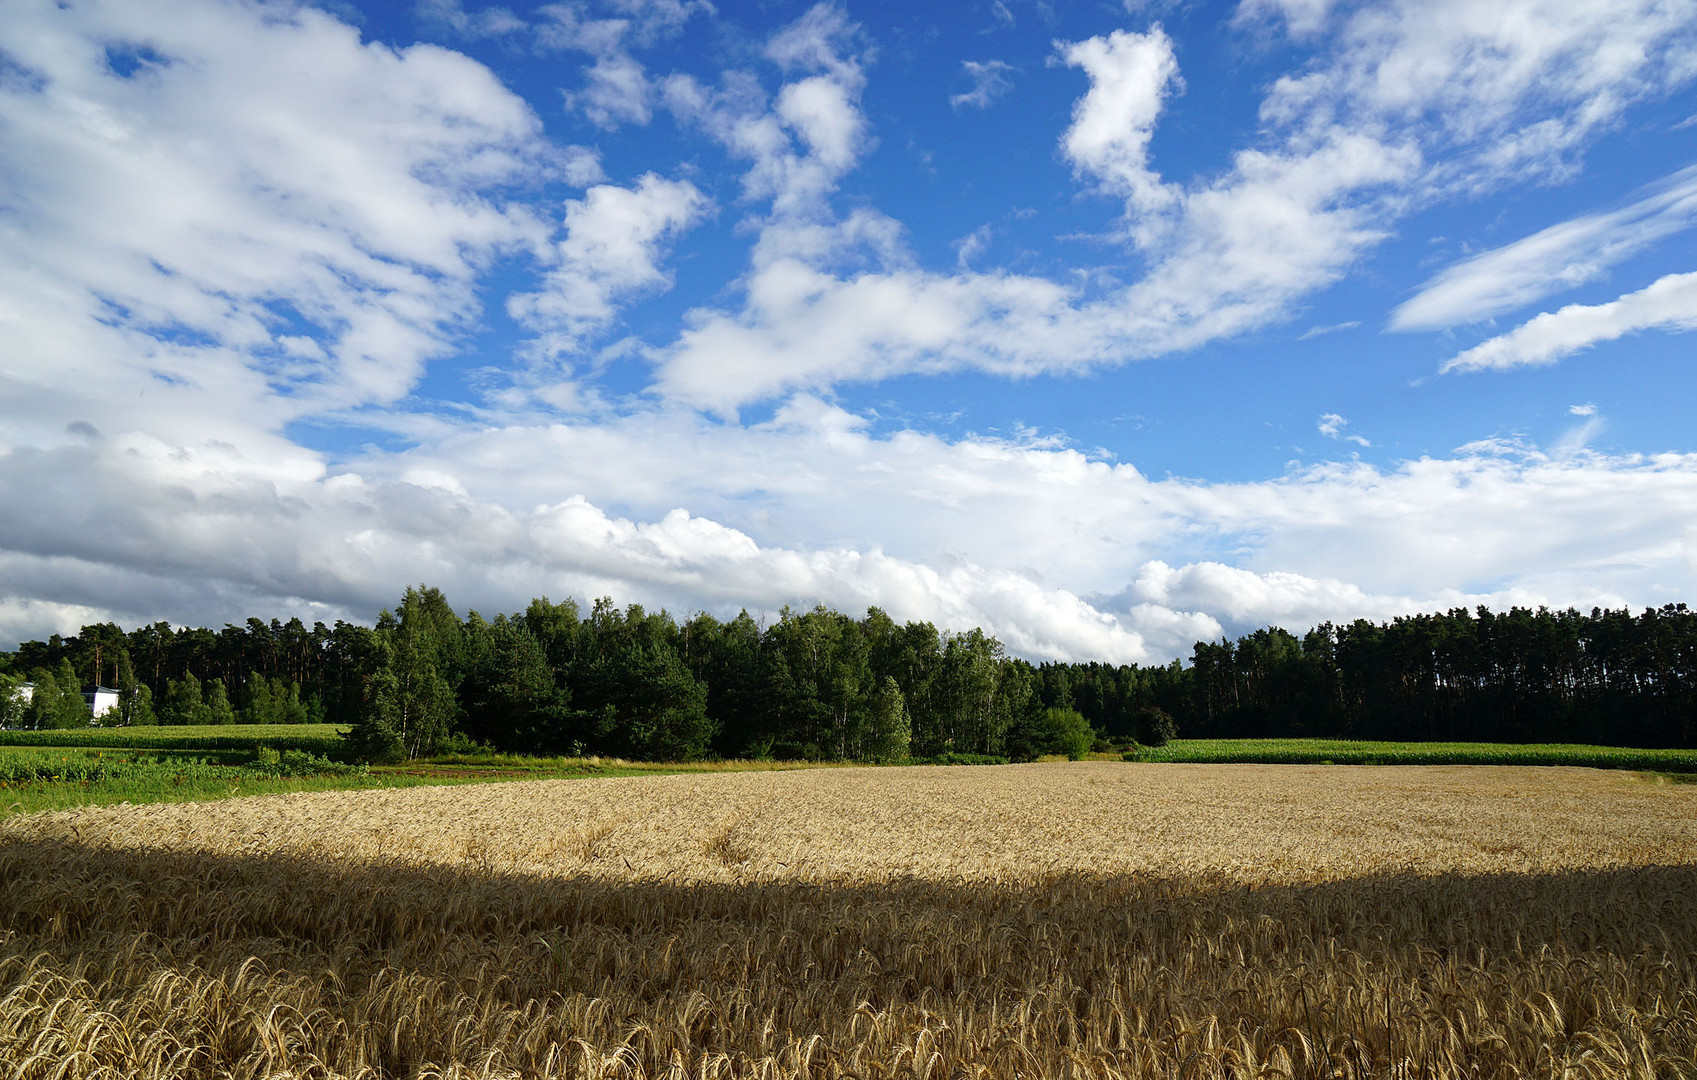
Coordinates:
1079	920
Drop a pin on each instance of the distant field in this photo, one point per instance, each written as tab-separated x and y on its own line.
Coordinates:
312	738
1091	919
1344	752
34	778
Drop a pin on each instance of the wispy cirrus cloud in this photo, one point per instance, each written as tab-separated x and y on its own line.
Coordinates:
1668	304
990	81
1560	257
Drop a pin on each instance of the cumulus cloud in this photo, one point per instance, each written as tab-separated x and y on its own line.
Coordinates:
812	507
1557	258
1669	304
616	88
1507	90
1130	77
223	245
802	144
165	312
612	244
1346	148
989	82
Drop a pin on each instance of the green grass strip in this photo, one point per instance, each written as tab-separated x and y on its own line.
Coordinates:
321	739
1348	752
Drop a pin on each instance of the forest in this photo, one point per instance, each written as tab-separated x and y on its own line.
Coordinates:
820	684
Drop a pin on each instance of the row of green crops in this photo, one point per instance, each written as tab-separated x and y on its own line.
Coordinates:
324	740
1344	752
29	766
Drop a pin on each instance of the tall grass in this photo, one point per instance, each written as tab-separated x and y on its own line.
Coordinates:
1346	752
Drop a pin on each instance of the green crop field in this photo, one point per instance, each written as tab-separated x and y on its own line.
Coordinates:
322	739
60	777
1346	752
56	778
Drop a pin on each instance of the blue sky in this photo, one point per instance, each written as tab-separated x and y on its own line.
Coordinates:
1106	327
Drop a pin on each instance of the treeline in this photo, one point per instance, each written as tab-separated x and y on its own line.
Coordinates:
1522	676
823	685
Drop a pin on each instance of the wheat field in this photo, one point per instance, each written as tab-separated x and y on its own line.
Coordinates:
1084	919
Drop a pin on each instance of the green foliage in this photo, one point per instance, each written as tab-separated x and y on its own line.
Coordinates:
889	735
22	766
269	762
409	705
1050	731
135	707
375	741
12	703
952	758
218	710
1069	733
57	702
1154	726
323	739
184	703
823	685
272	701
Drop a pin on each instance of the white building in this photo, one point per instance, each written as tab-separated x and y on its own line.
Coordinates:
101	700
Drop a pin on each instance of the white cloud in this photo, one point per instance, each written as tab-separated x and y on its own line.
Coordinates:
970	246
208	229
1582	410
617	90
1302	18
610	251
822	39
581	166
1333	426
483	23
813	508
989	82
165	311
1130	77
1321	331
1669	304
1505	91
1559	257
1346	149
821	110
1578	437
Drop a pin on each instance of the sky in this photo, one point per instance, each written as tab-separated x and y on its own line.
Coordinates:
1106	327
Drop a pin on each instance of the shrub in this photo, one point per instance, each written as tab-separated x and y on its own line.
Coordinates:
1154	727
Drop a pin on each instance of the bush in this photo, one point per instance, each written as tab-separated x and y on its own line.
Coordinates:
952	758
1154	726
375	742
1068	733
273	763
